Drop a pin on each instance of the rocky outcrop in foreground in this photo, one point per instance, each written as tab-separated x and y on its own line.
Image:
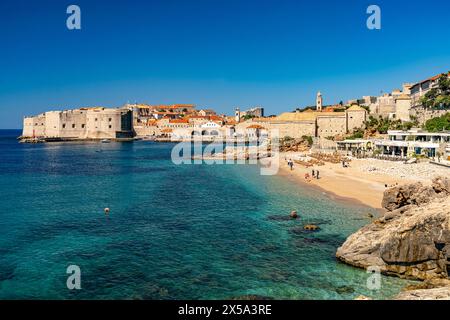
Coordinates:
437	289
412	239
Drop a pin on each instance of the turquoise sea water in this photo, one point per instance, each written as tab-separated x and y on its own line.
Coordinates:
174	232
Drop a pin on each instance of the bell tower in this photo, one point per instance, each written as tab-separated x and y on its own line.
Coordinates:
319	102
237	115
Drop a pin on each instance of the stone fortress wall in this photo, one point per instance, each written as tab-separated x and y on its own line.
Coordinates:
84	123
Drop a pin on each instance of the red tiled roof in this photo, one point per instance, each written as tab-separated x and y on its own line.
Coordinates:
179	121
435	77
255	126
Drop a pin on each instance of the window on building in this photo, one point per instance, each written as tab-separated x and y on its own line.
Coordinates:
73	126
64	126
110	119
95	119
110	126
83	125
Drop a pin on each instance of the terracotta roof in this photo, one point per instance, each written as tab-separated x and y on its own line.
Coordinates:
255	126
175	106
434	78
215	118
199	117
179	121
165	112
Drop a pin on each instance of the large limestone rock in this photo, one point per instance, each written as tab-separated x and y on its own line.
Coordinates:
412	239
425	294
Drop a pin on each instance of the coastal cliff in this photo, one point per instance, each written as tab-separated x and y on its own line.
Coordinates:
412	239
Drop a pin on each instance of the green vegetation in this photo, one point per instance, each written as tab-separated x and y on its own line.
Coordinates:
438	98
305	108
309	139
438	124
248	117
382	125
357	134
366	107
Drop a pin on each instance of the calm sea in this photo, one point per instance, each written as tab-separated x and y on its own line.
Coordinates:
173	232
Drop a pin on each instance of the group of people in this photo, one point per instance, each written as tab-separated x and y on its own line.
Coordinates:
315	174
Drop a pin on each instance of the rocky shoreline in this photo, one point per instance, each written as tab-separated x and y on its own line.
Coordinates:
411	240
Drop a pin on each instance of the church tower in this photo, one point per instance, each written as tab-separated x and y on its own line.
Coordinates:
319	102
237	115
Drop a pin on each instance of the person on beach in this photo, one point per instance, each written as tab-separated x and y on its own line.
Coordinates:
291	164
317	174
313	173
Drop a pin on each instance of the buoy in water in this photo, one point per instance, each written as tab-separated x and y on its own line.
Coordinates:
106	211
293	214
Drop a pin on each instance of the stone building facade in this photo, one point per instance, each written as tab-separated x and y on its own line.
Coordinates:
84	123
312	123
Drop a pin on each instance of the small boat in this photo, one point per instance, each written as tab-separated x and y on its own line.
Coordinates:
106	141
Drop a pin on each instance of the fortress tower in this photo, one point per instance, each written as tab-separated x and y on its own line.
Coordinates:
319	102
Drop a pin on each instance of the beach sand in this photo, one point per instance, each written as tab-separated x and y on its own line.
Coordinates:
364	180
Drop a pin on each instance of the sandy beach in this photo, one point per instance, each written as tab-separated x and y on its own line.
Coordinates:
364	180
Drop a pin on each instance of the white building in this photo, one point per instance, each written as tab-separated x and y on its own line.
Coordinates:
419	89
415	142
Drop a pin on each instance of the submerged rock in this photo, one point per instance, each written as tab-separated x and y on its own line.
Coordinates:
311	227
279	218
412	240
269	248
344	289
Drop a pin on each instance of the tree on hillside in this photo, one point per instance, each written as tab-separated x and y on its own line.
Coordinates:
439	97
438	124
248	117
382	125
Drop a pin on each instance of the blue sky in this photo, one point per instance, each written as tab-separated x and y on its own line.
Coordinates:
213	53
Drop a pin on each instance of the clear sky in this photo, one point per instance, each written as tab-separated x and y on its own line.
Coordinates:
213	53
